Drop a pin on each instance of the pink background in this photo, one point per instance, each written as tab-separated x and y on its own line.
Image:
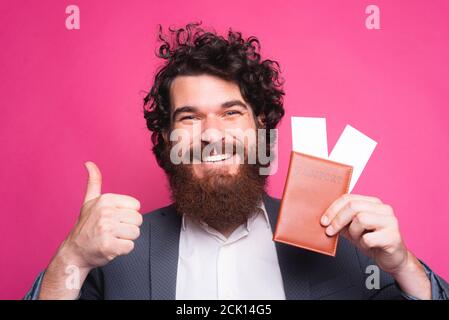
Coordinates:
71	96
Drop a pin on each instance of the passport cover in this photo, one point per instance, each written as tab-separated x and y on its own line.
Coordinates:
312	185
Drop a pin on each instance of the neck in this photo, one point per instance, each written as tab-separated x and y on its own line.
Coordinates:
226	232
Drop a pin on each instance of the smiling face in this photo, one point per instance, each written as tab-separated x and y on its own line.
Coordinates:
220	187
216	107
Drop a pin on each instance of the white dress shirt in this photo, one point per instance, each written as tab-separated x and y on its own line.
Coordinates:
243	266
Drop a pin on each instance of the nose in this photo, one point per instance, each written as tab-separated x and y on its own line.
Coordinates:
212	131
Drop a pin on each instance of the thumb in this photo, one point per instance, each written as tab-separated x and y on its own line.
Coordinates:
93	189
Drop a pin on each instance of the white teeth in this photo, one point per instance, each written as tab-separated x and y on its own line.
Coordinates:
218	157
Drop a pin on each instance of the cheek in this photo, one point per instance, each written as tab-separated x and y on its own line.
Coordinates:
183	134
246	122
250	133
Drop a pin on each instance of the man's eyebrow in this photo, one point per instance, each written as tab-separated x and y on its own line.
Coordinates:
183	109
232	103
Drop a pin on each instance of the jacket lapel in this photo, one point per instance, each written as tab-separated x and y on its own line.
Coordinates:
164	252
293	262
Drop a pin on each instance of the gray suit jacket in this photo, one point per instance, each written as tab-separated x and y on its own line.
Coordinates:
149	271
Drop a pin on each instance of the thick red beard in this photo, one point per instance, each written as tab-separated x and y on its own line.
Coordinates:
221	200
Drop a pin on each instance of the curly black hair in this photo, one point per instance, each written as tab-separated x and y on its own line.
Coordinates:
193	51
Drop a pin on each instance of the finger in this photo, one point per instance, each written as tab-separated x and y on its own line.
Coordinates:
366	221
359	203
342	201
127	231
129	216
121	201
93	189
122	246
346	214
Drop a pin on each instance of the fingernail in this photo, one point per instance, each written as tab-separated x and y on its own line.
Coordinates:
324	220
330	231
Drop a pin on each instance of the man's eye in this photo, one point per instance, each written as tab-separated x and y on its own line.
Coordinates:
191	117
232	112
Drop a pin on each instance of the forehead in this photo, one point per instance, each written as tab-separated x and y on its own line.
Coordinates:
202	91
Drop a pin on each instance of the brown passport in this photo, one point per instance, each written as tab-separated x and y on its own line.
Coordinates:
312	185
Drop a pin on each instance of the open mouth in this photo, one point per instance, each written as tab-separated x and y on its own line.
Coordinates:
217	158
218	154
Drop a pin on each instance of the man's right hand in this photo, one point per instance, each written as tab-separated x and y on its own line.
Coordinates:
106	227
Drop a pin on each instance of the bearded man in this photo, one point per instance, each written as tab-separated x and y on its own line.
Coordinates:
215	240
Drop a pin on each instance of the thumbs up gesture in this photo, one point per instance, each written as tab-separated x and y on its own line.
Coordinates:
106	228
107	225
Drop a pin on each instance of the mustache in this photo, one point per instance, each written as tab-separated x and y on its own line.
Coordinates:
198	152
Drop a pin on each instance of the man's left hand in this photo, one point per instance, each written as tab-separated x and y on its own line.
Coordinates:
373	227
